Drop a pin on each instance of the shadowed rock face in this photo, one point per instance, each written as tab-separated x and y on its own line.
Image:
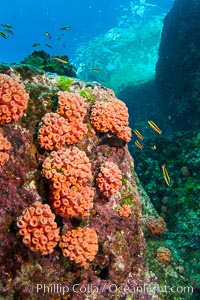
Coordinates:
178	70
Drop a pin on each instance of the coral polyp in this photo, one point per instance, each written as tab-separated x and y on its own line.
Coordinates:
13	99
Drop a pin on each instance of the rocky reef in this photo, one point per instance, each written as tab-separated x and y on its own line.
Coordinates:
81	148
124	55
177	70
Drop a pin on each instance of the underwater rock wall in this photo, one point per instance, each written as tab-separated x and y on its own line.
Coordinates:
178	70
33	177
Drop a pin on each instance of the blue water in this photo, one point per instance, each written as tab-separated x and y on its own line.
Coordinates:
87	19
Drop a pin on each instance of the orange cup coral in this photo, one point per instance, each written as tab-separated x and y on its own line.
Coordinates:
125	211
155	225
70	165
80	245
4	146
71	202
13	99
111	116
53	131
76	132
71	106
164	255
38	228
109	179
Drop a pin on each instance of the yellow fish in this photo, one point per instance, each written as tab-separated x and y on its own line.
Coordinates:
96	70
61	60
166	175
48	34
154	127
138	144
139	135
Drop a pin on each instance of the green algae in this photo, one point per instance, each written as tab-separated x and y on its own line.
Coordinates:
64	83
87	94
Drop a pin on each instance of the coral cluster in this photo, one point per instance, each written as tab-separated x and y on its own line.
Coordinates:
125	211
80	245
13	99
71	106
111	116
66	126
71	202
69	165
4	146
68	170
109	179
155	225
164	255
13	102
71	190
38	228
53	131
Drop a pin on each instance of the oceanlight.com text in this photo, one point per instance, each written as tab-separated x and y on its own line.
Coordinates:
61	289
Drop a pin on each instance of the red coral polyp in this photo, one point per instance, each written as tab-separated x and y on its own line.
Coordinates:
109	179
13	99
38	228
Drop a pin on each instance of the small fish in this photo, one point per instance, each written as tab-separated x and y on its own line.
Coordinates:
49	46
9	31
63	45
65	28
61	60
4	35
154	127
154	147
7	25
58	38
139	135
48	34
166	175
96	70
36	44
138	144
